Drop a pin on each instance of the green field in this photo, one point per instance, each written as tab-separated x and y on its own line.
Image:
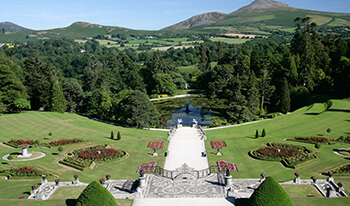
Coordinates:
230	40
307	121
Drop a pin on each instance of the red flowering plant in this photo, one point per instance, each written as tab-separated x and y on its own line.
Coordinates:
223	166
330	173
57	181
108	176
17	142
149	167
102	180
24	171
263	175
21	197
33	187
313	178
98	154
218	145
65	142
155	145
76	176
340	184
312	140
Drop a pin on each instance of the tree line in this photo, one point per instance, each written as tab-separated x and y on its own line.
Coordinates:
249	80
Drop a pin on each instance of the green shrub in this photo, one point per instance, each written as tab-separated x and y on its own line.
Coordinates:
317	145
95	194
118	136
270	193
112	135
263	134
10	157
257	134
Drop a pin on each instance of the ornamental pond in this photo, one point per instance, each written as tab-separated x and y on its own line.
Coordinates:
187	109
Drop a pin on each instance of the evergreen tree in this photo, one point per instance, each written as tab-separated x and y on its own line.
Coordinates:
119	136
255	63
263	134
38	79
204	64
285	97
57	102
256	134
11	87
137	110
112	135
220	52
253	95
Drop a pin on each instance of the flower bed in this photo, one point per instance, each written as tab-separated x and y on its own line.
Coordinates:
313	140
82	158
223	165
289	155
342	170
17	142
65	142
147	167
23	172
217	144
155	145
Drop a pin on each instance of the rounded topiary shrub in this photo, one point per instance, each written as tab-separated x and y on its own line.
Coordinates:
96	194
270	193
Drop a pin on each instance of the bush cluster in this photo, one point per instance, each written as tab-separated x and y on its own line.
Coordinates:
96	194
270	193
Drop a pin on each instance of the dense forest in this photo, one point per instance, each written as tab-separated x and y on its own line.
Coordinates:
262	75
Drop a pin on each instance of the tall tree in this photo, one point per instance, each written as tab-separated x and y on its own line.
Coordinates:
204	63
38	76
57	102
137	110
285	97
11	87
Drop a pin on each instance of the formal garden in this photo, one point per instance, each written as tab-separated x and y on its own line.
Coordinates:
125	155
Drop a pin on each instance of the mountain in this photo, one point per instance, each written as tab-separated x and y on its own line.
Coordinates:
262	5
11	27
263	17
198	20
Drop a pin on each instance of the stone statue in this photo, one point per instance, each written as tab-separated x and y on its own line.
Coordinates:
228	173
141	173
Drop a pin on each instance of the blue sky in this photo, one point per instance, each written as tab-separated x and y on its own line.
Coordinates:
134	14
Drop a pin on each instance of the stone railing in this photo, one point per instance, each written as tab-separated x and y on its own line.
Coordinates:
201	133
171	133
172	174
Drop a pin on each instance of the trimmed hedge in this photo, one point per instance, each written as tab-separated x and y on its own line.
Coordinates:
270	193
97	195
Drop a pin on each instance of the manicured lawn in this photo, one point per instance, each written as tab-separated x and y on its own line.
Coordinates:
307	121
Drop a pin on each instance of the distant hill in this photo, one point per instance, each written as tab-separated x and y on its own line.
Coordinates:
262	5
11	27
198	20
262	17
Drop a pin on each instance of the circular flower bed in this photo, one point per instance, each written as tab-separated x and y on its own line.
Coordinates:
290	155
83	158
99	154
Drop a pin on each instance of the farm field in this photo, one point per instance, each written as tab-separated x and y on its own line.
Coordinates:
307	121
230	40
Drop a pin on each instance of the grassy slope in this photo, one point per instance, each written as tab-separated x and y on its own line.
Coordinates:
303	122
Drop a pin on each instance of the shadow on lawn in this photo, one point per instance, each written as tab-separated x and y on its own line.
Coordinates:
71	202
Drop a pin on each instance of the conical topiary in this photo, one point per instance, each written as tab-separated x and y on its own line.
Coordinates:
257	134
263	134
118	136
270	193
112	135
97	195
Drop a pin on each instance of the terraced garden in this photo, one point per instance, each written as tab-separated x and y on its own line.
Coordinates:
307	121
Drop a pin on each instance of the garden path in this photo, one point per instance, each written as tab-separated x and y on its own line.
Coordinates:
186	146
